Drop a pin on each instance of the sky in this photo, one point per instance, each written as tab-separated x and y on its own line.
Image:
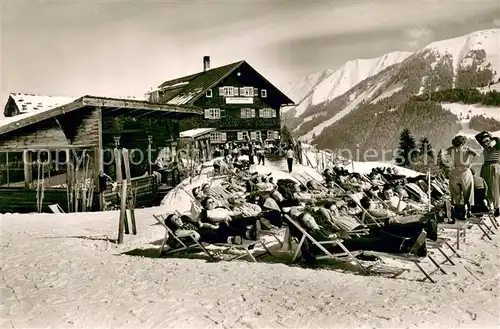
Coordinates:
125	48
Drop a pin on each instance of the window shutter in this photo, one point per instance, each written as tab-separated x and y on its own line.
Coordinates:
273	113
223	137
253	135
261	113
242	91
235	90
243	113
253	113
207	113
263	93
221	91
239	136
255	91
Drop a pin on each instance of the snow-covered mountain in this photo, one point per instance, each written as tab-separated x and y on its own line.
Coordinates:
364	91
329	84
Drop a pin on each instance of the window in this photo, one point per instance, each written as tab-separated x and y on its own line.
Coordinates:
270	134
209	93
218	137
255	135
267	113
263	93
242	135
228	91
212	113
247	113
246	91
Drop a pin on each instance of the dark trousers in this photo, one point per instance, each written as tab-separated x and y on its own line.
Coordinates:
236	227
479	201
262	159
290	164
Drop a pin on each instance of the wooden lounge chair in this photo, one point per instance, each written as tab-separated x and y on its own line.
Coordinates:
193	243
412	258
346	255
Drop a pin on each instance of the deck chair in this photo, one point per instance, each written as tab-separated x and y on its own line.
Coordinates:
56	209
346	255
192	244
245	246
410	257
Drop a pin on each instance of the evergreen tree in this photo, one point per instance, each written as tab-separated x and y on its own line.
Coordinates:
407	150
425	147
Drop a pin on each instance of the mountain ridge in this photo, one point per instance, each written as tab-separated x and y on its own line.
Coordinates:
469	61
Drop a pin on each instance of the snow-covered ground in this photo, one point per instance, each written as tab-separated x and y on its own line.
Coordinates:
64	271
464	110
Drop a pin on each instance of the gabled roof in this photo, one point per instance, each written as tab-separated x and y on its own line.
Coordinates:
30	104
115	105
186	90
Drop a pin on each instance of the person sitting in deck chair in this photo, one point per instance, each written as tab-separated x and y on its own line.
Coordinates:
377	241
480	192
230	223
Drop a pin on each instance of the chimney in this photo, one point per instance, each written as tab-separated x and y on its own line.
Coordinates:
206	63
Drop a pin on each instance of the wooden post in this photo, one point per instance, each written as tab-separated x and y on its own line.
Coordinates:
150	164
130	191
118	164
27	160
429	189
69	179
99	163
123	212
7	164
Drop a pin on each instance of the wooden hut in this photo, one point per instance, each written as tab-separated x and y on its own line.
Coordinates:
70	143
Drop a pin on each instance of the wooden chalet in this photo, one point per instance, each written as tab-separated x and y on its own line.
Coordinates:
236	100
63	135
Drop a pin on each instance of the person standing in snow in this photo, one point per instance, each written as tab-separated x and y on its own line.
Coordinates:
490	170
461	178
290	158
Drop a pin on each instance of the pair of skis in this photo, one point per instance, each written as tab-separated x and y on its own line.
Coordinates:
40	187
127	195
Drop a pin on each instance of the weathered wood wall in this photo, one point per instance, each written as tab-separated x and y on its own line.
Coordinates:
23	200
41	135
146	189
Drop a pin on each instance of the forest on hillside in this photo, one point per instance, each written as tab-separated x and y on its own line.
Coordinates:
482	123
466	96
375	127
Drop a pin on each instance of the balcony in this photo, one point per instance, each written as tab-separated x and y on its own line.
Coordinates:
233	123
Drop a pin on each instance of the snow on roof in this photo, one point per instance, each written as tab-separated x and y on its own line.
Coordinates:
193	133
31	104
184	98
38	103
175	85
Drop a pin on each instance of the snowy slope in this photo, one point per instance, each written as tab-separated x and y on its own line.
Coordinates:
299	89
464	110
432	68
459	48
327	85
352	73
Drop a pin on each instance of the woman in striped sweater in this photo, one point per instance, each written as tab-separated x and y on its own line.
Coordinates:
490	170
